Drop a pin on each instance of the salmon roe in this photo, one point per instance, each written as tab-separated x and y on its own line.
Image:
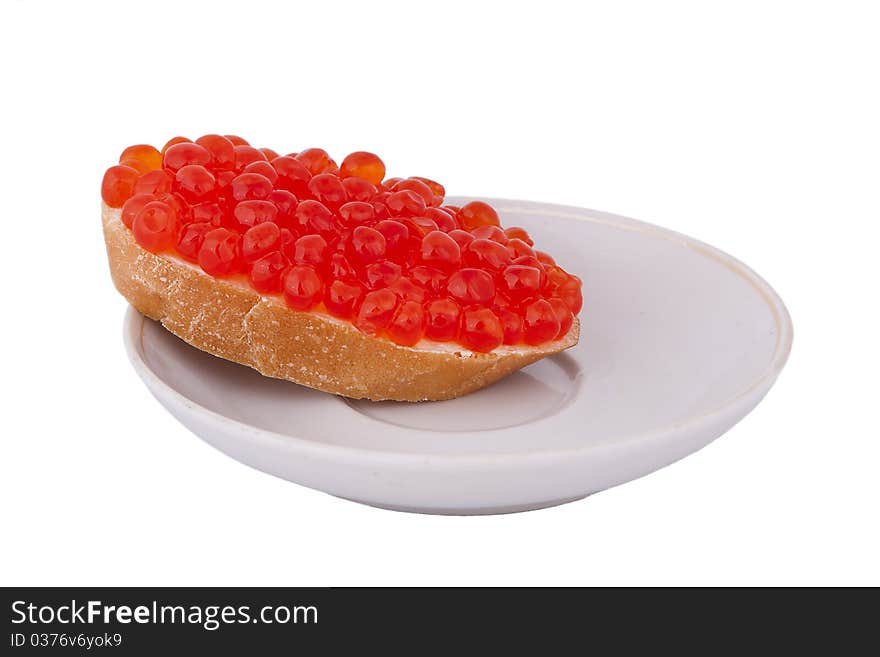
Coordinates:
386	254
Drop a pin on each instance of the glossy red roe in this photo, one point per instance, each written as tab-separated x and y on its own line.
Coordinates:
303	287
544	258
221	149
118	185
439	250
476	214
315	217
243	155
220	253
520	281
471	286
407	324
512	325
564	286
493	233
137	165
461	237
376	311
208	212
359	189
387	255
363	165
442	319
381	273
563	315
396	237
173	141
419	226
356	212
444	220
486	254
419	188
570	293
182	209
339	267
540	323
328	189
265	273
259	241
191	238
285	202
155	227
405	203
529	261
147	156
293	175
154	182
317	161
367	244
515	232
342	297
518	249
251	213
250	186
380	208
185	153
481	330
224	180
408	290
310	250
263	168
430	278
556	277
133	205
194	182
438	190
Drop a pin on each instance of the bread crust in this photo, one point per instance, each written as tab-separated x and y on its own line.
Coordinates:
227	318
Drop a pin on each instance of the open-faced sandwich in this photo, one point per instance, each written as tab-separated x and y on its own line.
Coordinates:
331	276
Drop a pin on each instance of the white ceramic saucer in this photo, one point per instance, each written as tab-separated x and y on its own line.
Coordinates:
679	341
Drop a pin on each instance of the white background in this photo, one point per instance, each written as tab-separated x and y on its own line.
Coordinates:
754	126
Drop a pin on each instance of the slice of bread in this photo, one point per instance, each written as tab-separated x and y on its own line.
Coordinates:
227	318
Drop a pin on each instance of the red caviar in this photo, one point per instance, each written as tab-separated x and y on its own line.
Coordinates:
476	214
317	161
184	153
259	241
363	165
133	205
147	156
443	317
118	185
342	298
385	254
220	253
265	275
302	287
481	330
245	155
191	238
221	149
154	182
155	226
407	325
